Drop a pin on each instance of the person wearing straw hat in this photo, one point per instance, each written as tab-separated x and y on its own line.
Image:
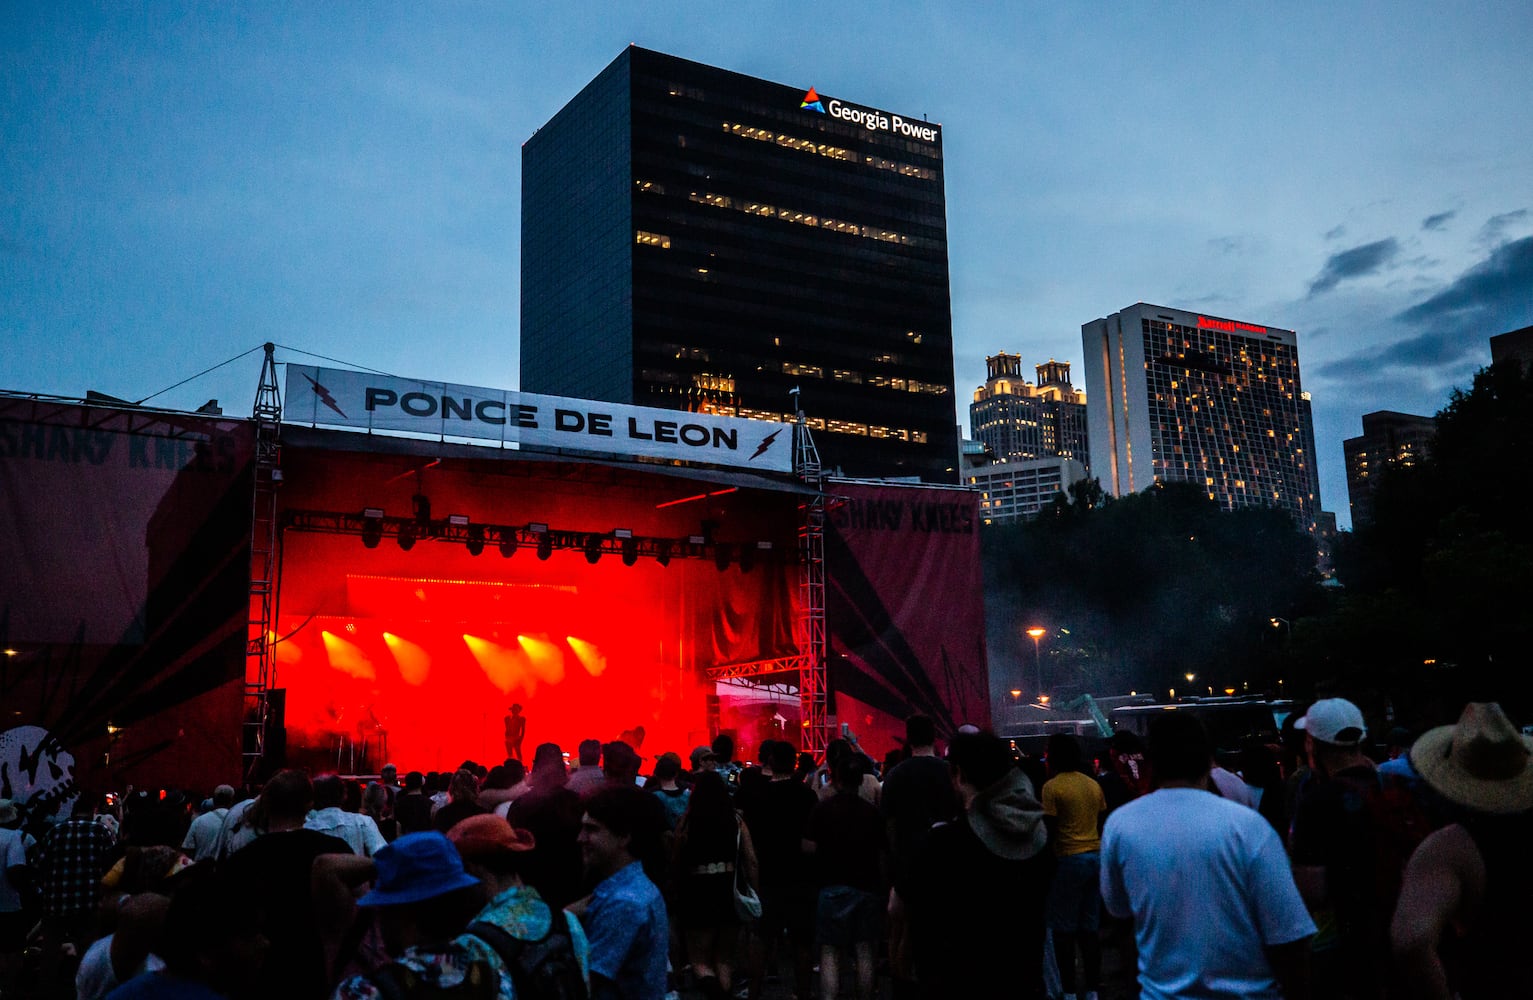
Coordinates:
1465	918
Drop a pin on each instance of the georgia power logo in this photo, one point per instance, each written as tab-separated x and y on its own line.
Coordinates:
812	102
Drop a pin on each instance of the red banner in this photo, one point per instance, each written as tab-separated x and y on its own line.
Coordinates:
905	608
125	540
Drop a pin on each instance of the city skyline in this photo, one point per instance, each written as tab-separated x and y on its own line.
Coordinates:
183	184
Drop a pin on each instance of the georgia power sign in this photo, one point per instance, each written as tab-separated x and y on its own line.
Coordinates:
384	403
868	118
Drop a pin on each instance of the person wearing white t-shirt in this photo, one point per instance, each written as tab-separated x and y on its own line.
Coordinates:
203	835
1207	883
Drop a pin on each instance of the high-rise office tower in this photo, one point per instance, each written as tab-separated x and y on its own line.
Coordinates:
697	239
1182	397
1389	440
1020	420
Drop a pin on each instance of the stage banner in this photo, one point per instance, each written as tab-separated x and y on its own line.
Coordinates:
905	606
362	400
125	537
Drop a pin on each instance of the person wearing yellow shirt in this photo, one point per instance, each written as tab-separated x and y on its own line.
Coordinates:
1073	810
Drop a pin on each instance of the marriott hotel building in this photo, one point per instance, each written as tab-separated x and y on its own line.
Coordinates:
1183	397
701	240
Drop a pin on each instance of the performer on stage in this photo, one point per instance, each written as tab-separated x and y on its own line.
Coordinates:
516	728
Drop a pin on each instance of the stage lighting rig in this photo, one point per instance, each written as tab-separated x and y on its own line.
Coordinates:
722	553
663	551
629	545
593	548
475	540
545	540
507	542
372	526
406	536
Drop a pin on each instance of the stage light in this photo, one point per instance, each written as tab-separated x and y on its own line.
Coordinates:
414	662
589	656
372	526
747	559
622	532
545	544
406	537
475	541
593	548
508	542
630	550
538	528
663	552
458	520
722	553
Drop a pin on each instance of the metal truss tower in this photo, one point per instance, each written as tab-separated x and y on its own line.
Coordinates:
812	639
263	565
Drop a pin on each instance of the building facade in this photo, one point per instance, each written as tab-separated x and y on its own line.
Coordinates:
1020	420
701	240
1019	491
1389	440
1182	397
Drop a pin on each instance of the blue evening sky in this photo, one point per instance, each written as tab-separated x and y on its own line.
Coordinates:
181	183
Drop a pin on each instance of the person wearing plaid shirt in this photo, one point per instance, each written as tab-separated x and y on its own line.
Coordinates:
70	862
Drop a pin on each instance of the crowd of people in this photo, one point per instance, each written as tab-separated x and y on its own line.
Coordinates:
971	872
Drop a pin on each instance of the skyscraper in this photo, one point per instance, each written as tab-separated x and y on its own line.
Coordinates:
1182	397
1020	420
1389	440
701	240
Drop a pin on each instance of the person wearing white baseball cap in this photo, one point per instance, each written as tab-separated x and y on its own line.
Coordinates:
1335	722
1332	847
1466	888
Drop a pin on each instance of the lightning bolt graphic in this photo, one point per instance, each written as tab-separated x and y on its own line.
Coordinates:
766	443
324	396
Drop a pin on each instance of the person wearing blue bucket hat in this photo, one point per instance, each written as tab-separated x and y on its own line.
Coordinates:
423	899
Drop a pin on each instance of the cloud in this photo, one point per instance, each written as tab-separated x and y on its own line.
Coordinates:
1228	245
1437	221
1337	233
1354	263
1449	330
1491	233
1494	288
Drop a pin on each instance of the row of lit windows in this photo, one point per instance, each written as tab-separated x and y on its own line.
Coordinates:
839	426
683	352
825	149
647	239
809	219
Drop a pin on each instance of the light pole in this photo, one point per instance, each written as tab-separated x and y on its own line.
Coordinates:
1036	632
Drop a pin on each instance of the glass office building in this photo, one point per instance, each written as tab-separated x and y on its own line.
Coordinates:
1183	397
701	240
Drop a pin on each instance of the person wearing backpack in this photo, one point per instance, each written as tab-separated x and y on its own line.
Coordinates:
423	900
543	951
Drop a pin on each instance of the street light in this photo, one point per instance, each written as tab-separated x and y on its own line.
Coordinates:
1036	632
1191	677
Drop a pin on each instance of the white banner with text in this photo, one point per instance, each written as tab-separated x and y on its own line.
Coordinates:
385	403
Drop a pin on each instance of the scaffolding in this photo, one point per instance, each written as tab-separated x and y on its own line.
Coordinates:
259	639
812	642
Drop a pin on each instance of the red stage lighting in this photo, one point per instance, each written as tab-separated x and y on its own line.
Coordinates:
475	541
507	542
630	551
593	548
406	537
663	552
